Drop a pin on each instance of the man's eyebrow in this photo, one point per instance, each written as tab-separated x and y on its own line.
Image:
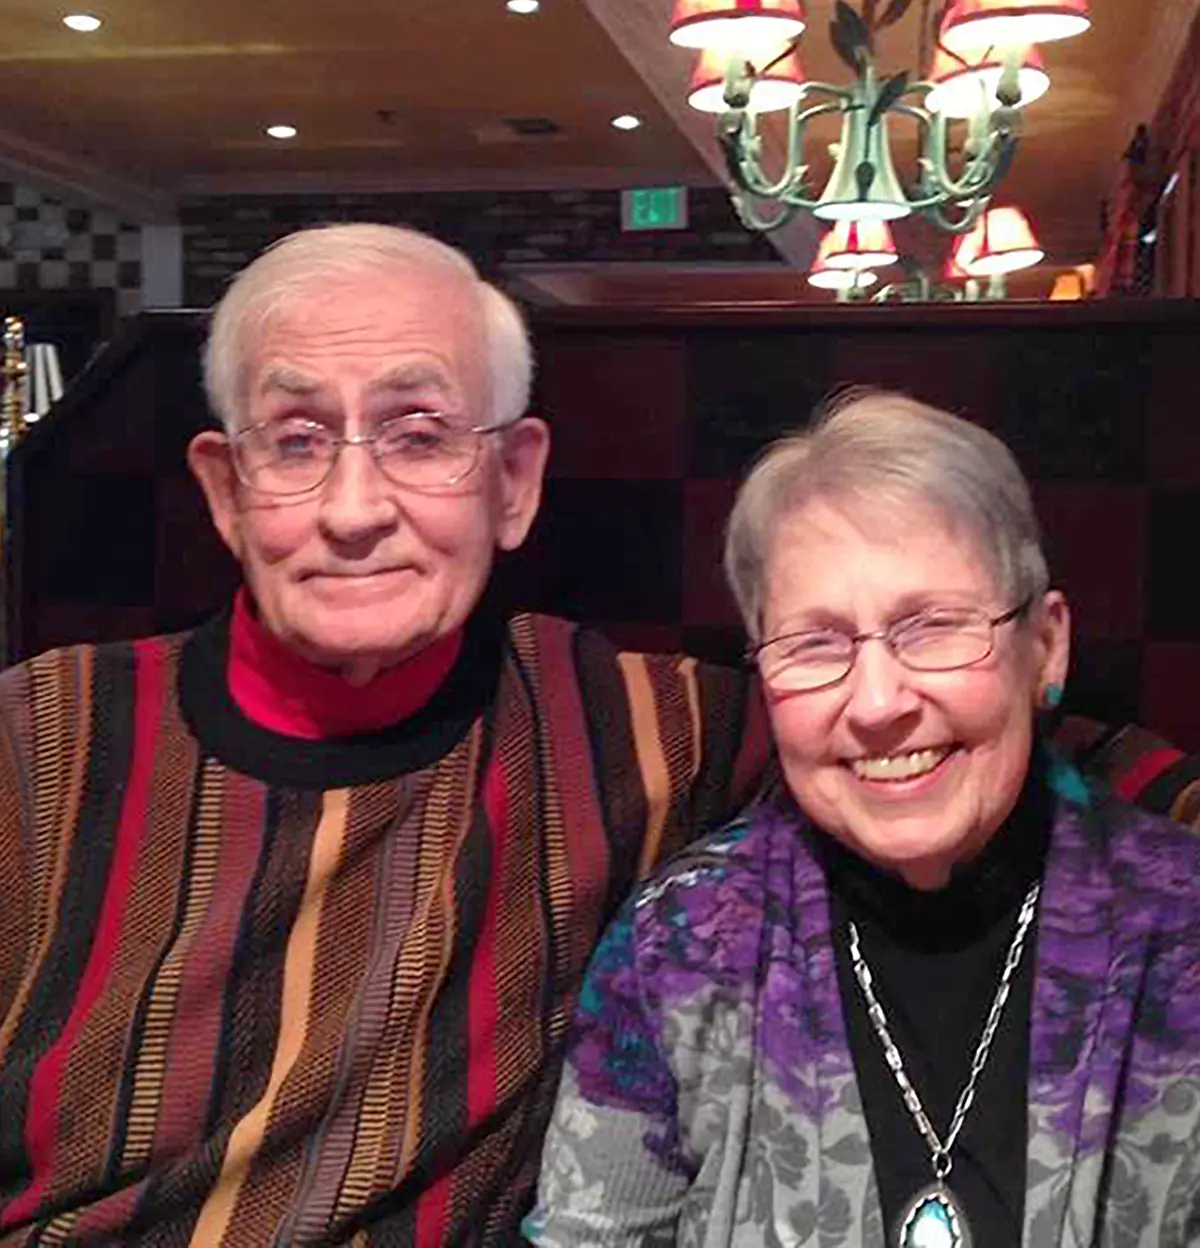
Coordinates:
415	376
289	380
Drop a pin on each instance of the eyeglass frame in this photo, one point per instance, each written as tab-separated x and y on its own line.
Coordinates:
364	439
887	635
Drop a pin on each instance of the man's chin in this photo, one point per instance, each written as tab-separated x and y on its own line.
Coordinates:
345	643
348	593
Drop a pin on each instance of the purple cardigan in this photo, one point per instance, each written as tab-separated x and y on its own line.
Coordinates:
709	1096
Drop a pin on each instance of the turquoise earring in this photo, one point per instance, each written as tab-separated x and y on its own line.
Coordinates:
1052	697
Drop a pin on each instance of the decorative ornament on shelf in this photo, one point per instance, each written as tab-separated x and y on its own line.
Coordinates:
13	368
965	113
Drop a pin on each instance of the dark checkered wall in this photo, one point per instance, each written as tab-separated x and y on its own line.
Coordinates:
46	244
654	419
653	427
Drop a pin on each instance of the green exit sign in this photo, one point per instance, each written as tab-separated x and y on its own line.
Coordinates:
654	208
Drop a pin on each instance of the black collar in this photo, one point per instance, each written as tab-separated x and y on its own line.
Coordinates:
980	893
337	762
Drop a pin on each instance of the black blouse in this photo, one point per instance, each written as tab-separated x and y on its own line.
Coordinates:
936	959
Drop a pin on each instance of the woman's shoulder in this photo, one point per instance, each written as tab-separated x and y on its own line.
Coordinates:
1154	853
1143	856
707	907
734	857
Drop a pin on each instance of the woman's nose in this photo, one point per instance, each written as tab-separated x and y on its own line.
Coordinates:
881	688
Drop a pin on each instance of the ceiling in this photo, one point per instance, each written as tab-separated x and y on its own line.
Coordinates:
172	97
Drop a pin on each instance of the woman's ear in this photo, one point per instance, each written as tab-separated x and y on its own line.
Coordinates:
211	461
1053	630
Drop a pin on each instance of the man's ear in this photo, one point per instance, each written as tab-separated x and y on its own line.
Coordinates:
211	462
524	449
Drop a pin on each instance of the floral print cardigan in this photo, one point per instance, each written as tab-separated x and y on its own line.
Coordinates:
709	1097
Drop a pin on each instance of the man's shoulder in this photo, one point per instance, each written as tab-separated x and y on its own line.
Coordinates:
62	672
592	640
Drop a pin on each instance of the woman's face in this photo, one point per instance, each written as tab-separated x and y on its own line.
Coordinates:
913	771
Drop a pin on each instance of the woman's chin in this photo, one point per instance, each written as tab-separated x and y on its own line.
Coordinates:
923	860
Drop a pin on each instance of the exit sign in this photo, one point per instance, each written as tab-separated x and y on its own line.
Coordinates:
654	208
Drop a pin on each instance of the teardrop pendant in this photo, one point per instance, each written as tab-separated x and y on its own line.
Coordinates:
933	1219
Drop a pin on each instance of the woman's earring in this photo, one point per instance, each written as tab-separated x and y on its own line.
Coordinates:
1052	696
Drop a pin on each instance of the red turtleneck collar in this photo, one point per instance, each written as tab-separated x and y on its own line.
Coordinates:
279	690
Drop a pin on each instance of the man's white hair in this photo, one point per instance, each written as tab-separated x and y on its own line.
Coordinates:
303	260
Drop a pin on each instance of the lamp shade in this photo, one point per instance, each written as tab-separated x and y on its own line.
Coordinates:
828	275
961	89
778	88
1001	242
842	199
736	25
842	279
858	245
976	25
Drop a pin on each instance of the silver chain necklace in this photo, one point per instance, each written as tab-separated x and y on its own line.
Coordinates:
933	1215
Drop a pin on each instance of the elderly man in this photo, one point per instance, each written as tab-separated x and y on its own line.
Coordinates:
294	908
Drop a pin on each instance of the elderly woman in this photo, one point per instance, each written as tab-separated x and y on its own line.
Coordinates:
935	994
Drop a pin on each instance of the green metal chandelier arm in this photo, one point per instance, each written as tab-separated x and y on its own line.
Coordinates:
986	161
753	220
738	135
973	209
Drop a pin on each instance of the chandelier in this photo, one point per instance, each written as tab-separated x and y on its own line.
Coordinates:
985	69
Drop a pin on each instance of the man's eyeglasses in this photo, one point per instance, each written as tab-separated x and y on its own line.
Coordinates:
422	450
938	640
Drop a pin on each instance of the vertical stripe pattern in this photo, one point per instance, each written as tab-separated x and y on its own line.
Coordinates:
238	1014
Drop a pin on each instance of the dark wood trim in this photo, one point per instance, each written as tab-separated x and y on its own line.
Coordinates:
884	317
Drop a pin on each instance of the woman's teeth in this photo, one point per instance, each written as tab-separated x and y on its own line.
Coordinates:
899	766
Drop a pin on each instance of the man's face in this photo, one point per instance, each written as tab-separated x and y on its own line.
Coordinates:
361	572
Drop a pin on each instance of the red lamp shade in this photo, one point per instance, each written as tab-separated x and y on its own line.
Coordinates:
976	25
778	88
960	89
830	276
736	25
1001	242
858	245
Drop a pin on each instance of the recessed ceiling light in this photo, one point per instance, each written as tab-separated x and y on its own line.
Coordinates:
85	23
627	121
523	7
282	132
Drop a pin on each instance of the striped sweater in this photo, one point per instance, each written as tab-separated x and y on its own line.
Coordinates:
259	991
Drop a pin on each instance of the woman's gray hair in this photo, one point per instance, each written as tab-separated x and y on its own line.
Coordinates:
309	257
872	453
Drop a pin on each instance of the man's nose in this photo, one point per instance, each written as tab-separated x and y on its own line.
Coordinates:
357	499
